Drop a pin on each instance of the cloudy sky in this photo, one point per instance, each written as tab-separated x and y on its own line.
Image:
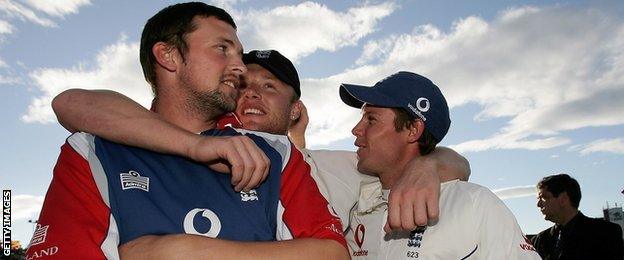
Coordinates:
535	87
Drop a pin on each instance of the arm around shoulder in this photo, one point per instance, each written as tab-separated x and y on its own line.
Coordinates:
451	165
117	118
185	246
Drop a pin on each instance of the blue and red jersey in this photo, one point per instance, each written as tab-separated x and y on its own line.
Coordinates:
104	194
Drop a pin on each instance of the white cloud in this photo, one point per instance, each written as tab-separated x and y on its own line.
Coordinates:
546	70
516	192
25	206
58	8
8	80
615	145
31	13
17	10
117	68
227	5
298	31
6	27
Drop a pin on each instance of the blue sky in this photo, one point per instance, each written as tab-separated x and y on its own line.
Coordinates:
535	87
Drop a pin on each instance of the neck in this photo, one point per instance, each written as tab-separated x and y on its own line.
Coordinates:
174	109
566	216
393	174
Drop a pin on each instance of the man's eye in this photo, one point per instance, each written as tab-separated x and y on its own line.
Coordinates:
268	86
222	48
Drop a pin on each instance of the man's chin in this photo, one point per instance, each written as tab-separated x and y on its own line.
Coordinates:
364	170
250	125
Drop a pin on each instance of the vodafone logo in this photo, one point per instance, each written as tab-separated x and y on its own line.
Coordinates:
215	223
360	232
423	104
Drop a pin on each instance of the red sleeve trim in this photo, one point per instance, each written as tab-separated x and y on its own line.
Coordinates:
74	220
306	212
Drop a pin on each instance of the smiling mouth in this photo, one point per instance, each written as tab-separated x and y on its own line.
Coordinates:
229	83
252	111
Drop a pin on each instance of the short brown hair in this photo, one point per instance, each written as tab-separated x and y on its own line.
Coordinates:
559	183
404	120
171	25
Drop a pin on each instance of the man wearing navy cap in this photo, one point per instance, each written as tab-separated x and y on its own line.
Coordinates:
404	116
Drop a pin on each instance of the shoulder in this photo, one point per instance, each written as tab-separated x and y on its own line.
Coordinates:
482	200
601	224
279	143
476	192
339	153
81	142
334	159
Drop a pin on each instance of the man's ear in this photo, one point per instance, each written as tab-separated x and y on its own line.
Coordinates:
295	110
416	129
166	56
564	199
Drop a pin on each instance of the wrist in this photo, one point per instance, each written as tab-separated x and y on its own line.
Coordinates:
189	146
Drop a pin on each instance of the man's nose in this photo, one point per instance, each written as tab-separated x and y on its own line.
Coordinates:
357	129
250	91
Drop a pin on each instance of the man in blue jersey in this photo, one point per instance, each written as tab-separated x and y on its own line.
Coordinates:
104	195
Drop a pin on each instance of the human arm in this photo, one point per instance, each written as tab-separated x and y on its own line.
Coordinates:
413	199
183	246
298	126
118	118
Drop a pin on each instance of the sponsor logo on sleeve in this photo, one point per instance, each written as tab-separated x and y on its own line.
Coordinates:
40	234
359	234
133	180
527	244
39	237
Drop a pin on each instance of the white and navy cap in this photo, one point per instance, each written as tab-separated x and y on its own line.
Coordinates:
276	63
414	93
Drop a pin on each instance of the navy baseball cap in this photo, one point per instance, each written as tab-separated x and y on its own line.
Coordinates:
412	92
277	64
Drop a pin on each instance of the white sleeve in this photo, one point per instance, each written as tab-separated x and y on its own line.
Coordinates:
336	175
500	236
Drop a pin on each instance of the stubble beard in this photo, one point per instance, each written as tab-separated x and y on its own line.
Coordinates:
208	104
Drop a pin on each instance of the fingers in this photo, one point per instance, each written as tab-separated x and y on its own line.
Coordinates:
433	205
394	211
409	209
241	161
256	167
249	165
304	111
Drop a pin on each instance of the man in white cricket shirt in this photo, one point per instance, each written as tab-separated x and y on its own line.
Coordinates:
405	116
